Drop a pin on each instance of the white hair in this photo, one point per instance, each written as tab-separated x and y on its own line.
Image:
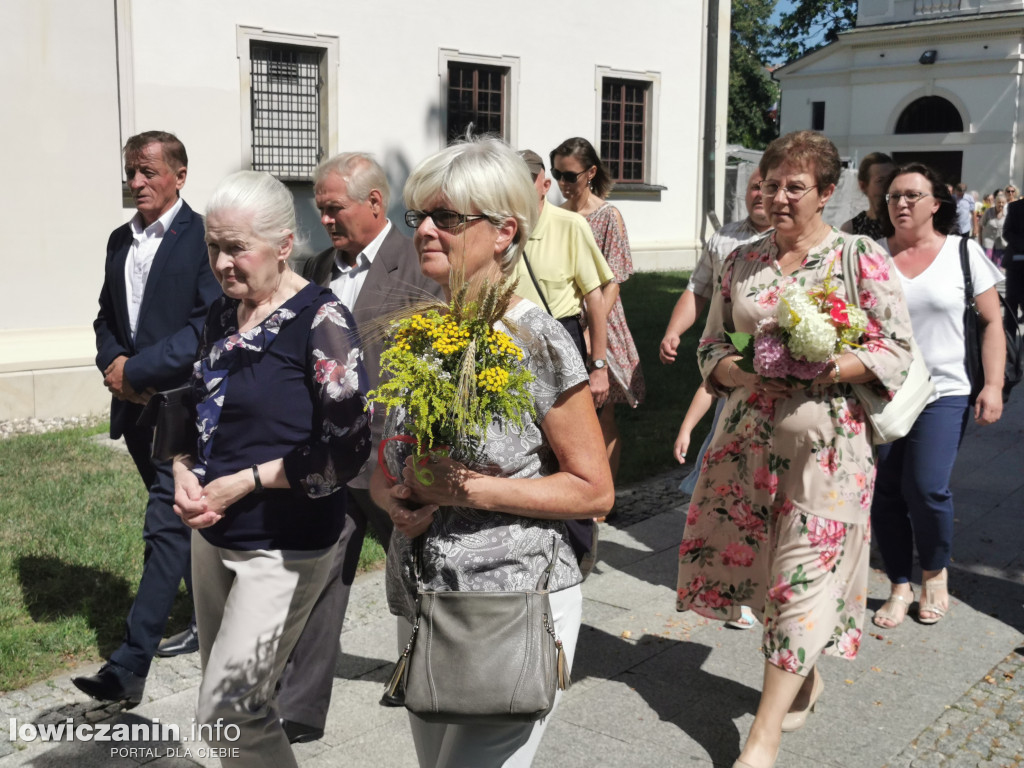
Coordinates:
267	199
480	175
361	172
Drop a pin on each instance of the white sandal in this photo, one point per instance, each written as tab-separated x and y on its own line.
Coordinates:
895	610
745	621
927	602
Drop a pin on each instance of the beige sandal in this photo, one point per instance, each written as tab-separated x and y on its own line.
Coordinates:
894	611
928	603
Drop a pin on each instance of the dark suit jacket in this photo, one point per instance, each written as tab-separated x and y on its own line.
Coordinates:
1013	229
179	291
394	281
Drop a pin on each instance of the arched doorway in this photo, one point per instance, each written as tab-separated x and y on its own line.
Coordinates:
932	114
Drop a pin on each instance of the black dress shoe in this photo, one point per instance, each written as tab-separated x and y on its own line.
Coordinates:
181	643
113	683
300	733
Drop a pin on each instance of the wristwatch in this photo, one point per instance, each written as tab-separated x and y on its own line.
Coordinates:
597	364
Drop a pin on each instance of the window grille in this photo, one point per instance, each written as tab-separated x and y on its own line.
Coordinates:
286	109
476	95
624	128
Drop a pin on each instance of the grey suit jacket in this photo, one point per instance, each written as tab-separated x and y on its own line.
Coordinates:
394	281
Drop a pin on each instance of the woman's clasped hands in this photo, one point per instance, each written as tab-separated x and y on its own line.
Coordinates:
199	506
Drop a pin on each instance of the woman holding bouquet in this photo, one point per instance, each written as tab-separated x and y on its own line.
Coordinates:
779	517
488	517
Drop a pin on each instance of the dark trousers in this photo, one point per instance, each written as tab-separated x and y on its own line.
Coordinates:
166	559
1014	285
913	505
304	691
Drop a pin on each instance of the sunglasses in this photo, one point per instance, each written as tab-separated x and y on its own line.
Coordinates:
442	218
569	177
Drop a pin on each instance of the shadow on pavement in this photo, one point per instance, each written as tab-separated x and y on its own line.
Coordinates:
671	681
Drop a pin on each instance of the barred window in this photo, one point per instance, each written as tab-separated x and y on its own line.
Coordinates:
624	128
477	96
287	109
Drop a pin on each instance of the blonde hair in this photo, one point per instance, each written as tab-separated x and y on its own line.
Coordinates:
479	175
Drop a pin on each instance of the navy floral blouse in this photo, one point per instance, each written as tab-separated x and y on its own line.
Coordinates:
291	388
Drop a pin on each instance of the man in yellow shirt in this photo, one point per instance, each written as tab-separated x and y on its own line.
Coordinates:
563	270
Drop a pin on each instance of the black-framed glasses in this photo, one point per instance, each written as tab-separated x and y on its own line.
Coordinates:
569	177
442	218
893	198
770	189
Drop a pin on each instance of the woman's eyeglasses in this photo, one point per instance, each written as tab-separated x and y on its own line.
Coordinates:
569	177
770	189
442	218
893	198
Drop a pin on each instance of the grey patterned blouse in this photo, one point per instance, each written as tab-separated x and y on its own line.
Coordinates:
472	550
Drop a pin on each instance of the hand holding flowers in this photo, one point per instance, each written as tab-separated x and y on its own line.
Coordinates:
801	341
451	375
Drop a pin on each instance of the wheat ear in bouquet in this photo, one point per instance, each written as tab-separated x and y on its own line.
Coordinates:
451	372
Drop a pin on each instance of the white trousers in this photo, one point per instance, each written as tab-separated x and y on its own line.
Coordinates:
251	607
443	745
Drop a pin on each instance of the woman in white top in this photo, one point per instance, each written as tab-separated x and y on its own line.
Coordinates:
913	505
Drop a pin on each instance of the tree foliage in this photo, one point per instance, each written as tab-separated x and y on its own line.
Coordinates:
752	92
810	25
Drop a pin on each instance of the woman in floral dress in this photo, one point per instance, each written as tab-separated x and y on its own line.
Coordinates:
584	182
779	517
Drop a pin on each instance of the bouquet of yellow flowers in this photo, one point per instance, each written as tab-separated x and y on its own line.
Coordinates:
452	373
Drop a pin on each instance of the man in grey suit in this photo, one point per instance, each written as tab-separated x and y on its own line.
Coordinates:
374	270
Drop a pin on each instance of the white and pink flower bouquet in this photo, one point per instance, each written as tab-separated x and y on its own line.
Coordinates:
808	330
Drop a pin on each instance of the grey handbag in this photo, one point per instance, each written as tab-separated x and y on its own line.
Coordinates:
481	657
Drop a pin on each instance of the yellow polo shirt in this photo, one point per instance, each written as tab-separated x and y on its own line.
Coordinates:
565	260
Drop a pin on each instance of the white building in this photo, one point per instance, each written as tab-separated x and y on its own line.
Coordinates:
275	85
938	81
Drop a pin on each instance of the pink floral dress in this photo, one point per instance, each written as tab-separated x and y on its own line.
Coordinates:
627	378
779	519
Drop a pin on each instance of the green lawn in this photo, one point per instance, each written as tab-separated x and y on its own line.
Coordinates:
649	430
71	511
71	549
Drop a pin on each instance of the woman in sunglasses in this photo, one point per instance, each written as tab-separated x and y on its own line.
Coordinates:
490	524
584	182
779	516
913	505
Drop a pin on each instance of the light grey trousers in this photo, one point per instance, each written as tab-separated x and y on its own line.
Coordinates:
443	745
250	609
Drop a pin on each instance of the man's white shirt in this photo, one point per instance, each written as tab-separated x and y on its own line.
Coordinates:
145	243
349	283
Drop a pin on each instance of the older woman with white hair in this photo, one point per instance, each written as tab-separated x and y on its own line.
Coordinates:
489	525
282	427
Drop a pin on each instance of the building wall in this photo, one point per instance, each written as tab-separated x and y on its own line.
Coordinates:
90	73
871	75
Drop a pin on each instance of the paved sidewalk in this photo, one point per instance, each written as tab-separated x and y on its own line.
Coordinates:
657	688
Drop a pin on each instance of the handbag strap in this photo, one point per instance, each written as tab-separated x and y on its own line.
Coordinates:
536	285
965	265
852	294
545	577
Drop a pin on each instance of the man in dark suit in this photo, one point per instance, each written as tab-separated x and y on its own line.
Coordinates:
1013	259
156	292
374	270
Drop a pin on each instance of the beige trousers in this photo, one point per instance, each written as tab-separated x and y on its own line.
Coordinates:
251	607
